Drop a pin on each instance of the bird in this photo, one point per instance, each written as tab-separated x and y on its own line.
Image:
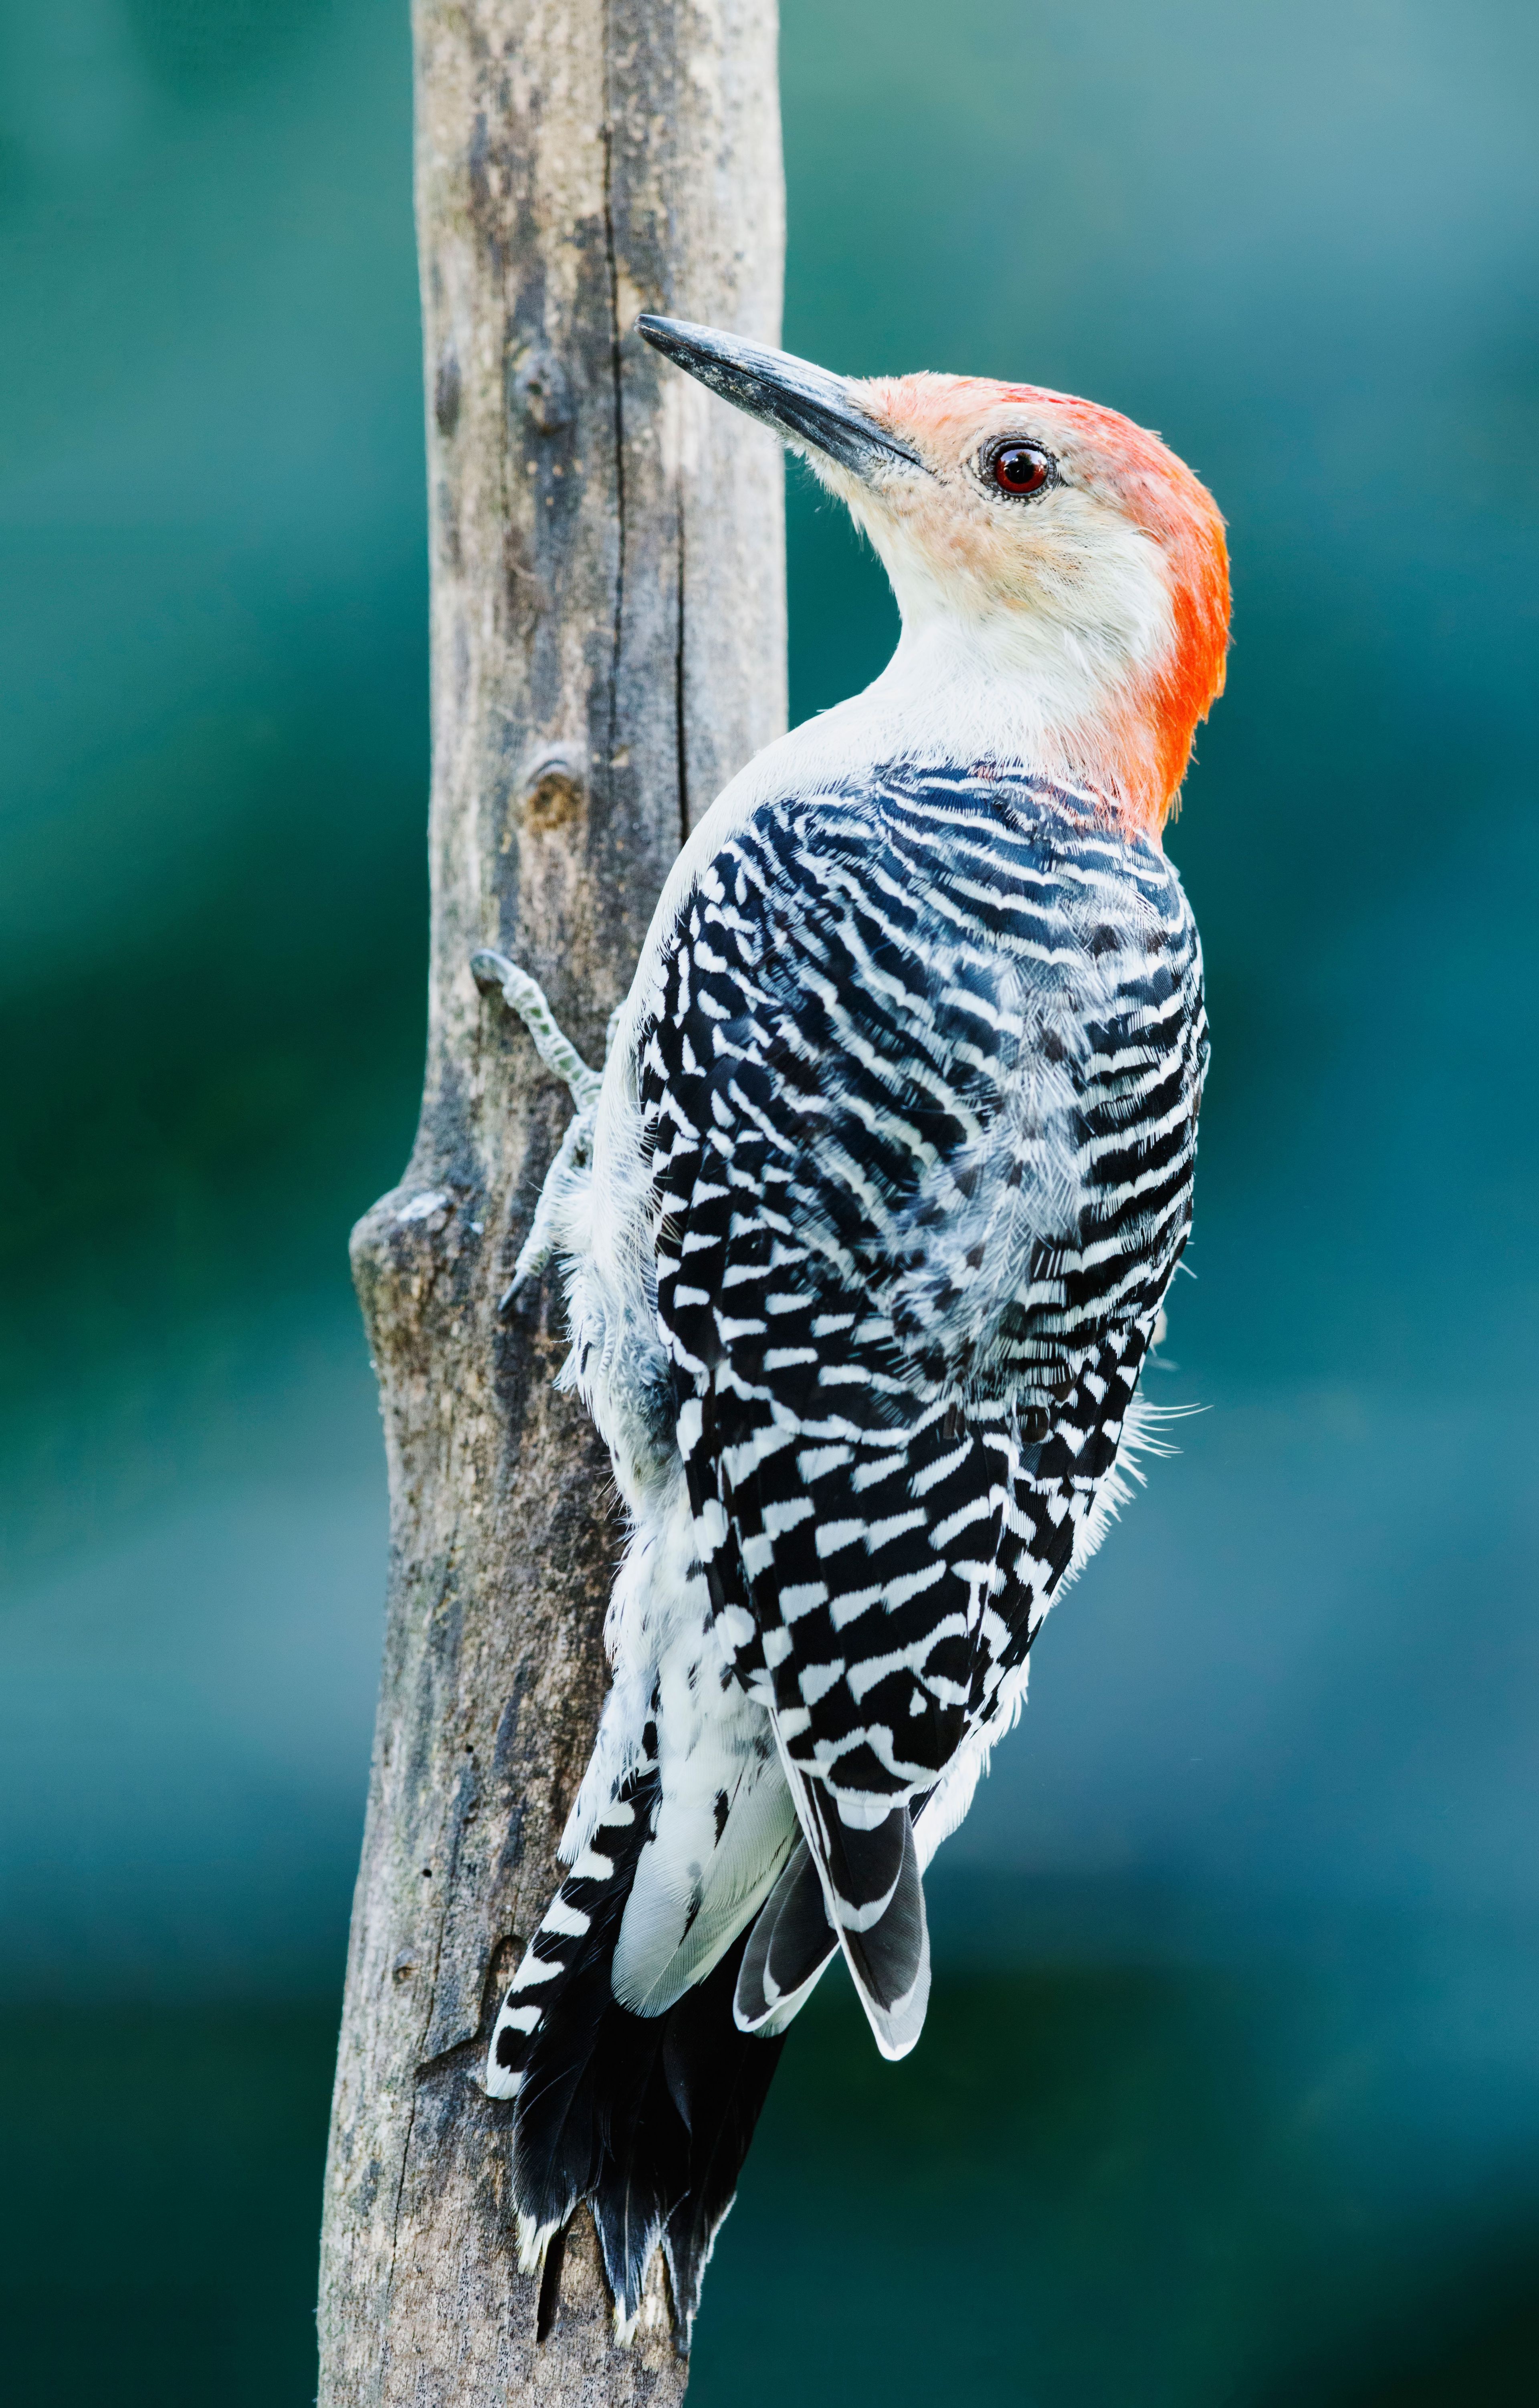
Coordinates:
866	1226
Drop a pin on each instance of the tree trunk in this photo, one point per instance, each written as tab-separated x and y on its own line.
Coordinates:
607	646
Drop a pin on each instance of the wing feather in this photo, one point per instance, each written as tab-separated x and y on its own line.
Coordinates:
923	1081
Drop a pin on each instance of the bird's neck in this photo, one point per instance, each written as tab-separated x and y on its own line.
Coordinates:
1032	701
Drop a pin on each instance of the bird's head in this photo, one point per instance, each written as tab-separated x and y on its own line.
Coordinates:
1042	550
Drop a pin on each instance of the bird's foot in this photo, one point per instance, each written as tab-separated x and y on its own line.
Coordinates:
492	971
495	973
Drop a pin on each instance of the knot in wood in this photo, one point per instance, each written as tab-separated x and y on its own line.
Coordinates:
539	393
553	786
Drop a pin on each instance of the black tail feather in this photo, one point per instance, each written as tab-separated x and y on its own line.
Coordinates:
549	2285
648	2118
718	2079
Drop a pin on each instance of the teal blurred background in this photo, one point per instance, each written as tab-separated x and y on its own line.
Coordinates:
1232	2087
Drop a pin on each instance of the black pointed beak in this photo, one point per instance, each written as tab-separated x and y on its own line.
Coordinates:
802	403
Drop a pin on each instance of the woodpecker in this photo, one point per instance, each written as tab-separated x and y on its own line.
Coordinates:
866	1226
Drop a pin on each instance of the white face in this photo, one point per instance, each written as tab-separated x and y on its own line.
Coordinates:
1010	533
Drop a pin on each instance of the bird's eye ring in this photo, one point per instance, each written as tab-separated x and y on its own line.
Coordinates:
1018	469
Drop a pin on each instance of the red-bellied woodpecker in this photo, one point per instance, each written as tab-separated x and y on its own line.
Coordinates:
866	1226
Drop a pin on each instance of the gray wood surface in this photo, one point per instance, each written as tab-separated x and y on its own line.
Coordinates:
607	646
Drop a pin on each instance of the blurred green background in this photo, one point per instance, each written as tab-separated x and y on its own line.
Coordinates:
1232	2087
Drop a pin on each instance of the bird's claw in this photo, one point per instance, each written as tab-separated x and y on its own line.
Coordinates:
517	1285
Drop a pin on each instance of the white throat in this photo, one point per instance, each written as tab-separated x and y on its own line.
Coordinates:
956	694
959	692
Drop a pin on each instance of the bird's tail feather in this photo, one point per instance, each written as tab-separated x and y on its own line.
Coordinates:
648	2118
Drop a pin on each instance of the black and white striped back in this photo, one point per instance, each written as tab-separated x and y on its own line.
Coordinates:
923	1074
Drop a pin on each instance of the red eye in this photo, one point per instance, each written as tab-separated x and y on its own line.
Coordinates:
1020	468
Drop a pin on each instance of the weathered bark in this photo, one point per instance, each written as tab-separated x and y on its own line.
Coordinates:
607	645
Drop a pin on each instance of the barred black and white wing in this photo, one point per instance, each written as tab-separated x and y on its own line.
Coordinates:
921	1078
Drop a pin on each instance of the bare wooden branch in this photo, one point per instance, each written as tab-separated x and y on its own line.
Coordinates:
607	646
